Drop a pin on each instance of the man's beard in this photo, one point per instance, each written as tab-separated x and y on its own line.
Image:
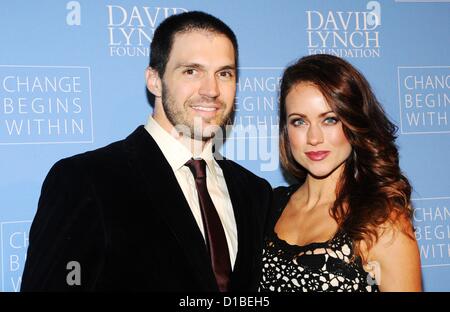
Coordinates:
179	118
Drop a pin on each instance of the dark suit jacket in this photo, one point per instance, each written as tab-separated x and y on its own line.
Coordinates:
121	214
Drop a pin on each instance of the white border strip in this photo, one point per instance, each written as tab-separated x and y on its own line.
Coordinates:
435	265
430	198
424	1
263	67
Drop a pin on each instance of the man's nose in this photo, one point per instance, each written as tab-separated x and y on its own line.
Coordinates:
209	86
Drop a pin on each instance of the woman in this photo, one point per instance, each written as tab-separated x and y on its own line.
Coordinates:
347	226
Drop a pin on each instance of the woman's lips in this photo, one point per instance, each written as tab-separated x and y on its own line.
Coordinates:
317	156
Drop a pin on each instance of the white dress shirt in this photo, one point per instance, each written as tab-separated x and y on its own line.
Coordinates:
177	154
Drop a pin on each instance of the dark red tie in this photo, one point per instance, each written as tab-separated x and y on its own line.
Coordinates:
216	241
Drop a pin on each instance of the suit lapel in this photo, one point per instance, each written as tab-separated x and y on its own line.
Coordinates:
165	195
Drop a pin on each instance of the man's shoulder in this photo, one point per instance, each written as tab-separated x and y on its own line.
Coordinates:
111	158
105	154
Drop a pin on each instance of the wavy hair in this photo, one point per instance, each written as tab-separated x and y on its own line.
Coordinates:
372	188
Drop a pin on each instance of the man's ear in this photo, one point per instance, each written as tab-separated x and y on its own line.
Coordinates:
154	83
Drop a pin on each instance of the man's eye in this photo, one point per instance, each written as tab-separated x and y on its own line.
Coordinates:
226	74
190	71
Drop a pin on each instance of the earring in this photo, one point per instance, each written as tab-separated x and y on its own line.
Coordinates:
355	165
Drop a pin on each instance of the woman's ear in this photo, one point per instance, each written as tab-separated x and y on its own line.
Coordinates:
154	84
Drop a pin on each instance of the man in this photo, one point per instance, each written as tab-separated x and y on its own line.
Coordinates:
136	214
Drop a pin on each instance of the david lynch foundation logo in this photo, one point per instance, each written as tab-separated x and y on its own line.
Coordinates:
45	104
345	33
424	99
131	28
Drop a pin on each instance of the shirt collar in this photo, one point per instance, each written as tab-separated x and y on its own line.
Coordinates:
176	153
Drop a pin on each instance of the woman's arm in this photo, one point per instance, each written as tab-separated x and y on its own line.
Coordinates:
397	255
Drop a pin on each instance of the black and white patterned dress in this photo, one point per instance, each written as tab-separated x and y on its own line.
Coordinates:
323	266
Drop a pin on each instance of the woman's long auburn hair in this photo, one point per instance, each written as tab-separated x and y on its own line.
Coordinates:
372	188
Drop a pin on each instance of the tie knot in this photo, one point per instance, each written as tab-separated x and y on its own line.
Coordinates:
197	167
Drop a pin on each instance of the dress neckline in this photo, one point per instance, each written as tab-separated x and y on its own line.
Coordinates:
309	246
288	193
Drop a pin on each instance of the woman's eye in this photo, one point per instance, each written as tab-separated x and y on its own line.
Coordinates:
298	122
331	120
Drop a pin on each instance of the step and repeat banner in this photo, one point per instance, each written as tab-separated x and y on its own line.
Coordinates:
72	80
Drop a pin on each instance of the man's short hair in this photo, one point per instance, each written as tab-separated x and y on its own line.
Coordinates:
164	35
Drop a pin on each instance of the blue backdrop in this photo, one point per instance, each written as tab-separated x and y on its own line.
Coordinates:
72	79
